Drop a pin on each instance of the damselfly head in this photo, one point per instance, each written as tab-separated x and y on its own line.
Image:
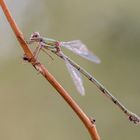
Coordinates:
35	36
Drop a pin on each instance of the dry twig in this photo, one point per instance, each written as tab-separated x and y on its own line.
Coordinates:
90	125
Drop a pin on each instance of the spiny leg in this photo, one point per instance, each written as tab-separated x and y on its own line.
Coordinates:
47	53
36	52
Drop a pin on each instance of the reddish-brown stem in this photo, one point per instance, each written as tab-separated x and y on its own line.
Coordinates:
16	30
90	125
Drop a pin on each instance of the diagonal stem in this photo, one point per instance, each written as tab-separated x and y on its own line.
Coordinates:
89	124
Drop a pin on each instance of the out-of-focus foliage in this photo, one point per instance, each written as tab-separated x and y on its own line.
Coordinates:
31	109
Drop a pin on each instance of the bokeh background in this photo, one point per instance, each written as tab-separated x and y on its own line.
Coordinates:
31	109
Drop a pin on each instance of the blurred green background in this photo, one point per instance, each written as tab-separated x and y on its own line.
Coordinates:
31	109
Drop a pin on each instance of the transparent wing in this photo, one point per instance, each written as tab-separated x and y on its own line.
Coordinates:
76	77
79	48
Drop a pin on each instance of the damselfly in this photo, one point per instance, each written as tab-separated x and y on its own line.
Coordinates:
74	69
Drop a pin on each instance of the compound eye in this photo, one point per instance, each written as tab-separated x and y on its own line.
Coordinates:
35	36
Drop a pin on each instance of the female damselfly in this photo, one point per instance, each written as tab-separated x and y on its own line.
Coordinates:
74	69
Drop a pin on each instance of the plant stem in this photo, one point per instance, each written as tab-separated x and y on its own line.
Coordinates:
90	125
